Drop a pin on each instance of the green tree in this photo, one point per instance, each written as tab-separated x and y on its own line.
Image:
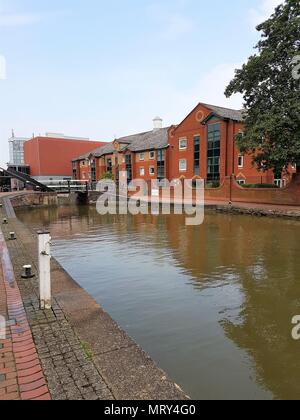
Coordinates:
270	84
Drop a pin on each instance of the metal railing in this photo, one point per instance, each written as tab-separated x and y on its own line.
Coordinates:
67	186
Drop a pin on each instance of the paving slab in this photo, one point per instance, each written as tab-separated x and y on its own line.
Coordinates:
133	375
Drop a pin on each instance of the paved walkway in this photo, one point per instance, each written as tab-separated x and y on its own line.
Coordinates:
264	208
21	376
41	356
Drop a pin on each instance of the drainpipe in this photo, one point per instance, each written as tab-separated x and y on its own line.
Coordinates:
226	156
233	149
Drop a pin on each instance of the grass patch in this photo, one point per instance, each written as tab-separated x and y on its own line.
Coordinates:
87	350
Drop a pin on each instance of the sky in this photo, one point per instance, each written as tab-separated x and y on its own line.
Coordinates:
105	69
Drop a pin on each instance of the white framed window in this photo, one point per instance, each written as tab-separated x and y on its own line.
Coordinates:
183	144
280	183
152	170
142	156
241	181
241	161
182	165
142	171
152	155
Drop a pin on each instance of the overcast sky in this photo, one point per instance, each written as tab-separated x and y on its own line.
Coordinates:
102	69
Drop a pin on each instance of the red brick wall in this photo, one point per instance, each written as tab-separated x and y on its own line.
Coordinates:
50	156
147	163
231	191
192	127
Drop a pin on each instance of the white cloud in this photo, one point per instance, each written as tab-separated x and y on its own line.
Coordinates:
264	11
176	26
12	20
172	21
160	96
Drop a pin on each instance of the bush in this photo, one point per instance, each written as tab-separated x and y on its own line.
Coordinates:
108	175
213	184
271	186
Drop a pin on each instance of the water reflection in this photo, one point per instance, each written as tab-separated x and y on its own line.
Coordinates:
212	304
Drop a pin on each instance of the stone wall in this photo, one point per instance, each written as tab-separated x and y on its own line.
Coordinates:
34	199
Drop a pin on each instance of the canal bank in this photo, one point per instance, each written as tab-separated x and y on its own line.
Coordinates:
83	353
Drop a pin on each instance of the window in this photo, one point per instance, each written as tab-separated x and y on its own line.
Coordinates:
151	155
241	181
152	170
93	171
183	144
109	166
182	165
142	171
213	152
142	156
280	183
128	162
197	155
241	161
161	164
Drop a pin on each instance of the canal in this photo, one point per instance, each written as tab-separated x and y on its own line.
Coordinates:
211	304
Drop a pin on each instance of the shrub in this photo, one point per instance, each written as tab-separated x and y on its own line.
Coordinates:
108	175
271	186
213	184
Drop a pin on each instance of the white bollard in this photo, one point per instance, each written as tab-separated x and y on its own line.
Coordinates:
2	328
44	270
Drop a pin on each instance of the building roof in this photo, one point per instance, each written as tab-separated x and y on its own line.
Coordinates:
98	152
150	140
232	114
104	150
157	139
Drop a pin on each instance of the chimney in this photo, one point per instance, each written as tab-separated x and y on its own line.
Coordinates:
157	124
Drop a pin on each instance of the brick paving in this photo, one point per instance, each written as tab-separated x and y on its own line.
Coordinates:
17	350
41	357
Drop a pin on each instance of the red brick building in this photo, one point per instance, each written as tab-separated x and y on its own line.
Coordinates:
143	156
201	146
50	157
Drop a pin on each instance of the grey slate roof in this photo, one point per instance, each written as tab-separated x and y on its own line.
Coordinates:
151	140
232	114
104	150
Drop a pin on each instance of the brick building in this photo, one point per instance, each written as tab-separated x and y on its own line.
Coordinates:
201	146
50	157
143	156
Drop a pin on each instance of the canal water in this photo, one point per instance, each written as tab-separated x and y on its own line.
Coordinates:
211	304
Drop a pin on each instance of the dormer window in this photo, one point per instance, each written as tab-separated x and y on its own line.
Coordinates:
152	155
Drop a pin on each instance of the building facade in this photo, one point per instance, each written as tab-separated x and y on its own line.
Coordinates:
50	157
202	146
142	156
16	160
16	150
